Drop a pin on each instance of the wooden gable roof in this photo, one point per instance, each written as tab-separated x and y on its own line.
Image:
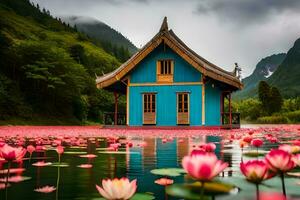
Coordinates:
169	38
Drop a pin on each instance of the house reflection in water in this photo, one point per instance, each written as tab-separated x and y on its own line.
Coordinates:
157	154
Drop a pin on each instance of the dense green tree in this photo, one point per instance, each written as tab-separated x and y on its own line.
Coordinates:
264	93
276	100
270	98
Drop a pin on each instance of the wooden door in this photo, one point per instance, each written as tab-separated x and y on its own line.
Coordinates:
183	108
149	108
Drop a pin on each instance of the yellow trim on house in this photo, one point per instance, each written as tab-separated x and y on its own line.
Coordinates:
159	84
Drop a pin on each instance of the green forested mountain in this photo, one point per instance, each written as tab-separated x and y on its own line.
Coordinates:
47	68
263	70
109	37
287	76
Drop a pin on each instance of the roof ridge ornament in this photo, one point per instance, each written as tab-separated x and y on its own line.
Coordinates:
164	26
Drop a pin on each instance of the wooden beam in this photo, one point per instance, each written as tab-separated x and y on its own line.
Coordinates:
127	100
230	114
158	84
116	109
203	104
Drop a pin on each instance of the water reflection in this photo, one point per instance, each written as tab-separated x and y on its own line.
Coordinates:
146	154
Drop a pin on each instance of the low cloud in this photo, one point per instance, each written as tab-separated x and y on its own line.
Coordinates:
247	11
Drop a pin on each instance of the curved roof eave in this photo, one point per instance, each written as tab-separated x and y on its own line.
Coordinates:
168	36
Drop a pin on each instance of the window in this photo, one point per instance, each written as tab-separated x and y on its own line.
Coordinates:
182	103
149	103
165	67
165	70
183	115
149	108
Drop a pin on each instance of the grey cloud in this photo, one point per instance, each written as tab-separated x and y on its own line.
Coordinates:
246	11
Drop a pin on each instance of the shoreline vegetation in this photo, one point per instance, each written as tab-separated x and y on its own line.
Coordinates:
252	112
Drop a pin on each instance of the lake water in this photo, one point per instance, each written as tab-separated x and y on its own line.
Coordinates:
151	149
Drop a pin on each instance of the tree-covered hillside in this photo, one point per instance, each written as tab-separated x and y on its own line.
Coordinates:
263	70
287	76
48	68
111	40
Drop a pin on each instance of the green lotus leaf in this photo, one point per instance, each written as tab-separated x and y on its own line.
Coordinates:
254	153
59	164
75	152
118	152
193	190
168	171
142	196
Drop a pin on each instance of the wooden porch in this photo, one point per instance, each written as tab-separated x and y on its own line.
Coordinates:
229	119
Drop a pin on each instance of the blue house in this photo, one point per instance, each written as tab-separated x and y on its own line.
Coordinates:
168	84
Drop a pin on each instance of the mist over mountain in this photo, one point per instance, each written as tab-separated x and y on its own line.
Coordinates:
100	31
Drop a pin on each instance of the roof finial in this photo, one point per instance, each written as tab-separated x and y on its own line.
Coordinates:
164	25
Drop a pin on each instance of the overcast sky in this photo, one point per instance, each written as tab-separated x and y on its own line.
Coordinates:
222	31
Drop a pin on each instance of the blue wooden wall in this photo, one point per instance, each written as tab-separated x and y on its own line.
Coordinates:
212	105
145	72
165	104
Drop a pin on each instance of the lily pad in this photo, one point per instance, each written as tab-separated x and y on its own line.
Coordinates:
254	153
168	171
142	196
77	147
193	190
60	164
296	174
118	152
75	152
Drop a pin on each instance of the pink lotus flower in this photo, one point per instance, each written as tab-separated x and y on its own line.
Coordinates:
129	144
204	166
85	166
209	147
196	152
289	148
242	144
12	153
257	142
60	150
117	188
88	156
164	181
12	171
279	161
15	179
271	196
3	186
296	142
272	139
45	189
247	139
255	171
296	159
40	148
42	164
30	149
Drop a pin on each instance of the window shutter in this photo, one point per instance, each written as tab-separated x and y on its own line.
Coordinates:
158	67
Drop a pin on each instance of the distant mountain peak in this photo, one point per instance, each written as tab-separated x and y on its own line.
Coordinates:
100	31
72	20
262	72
